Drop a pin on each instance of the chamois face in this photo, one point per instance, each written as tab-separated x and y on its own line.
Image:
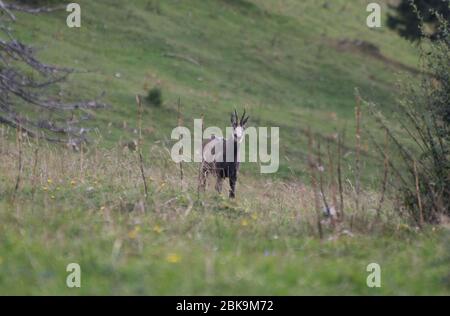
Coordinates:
238	133
238	126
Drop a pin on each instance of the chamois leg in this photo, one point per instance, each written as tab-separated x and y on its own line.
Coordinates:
232	187
219	182
203	176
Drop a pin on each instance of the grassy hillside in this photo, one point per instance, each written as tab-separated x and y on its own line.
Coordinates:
292	64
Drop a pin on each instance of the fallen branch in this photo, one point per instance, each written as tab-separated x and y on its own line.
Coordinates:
26	9
182	57
5	8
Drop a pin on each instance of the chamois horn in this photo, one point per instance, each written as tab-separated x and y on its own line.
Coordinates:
234	117
244	119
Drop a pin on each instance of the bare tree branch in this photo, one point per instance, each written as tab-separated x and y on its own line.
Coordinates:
5	8
27	87
21	8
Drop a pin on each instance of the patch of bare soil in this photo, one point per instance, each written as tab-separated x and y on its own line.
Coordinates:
372	50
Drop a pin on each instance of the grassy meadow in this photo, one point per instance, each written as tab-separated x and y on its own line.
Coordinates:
292	64
90	209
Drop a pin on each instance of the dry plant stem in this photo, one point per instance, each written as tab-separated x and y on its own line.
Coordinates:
81	161
2	140
406	185
312	168
332	177
180	123
385	174
62	159
141	160
405	154
339	171
34	176
199	180
358	150
419	200
322	191
20	162
391	165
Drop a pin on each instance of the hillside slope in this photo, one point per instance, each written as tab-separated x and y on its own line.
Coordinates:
292	64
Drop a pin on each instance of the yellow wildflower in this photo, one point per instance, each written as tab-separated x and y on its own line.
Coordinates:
173	258
244	222
132	234
157	229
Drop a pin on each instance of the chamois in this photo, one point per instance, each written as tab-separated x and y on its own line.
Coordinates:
218	162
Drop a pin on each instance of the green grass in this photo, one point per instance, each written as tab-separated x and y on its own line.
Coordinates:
202	257
90	210
278	59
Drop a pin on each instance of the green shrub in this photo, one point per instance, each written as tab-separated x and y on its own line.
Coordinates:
154	6
154	96
424	110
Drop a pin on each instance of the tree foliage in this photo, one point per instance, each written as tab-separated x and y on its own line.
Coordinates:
408	24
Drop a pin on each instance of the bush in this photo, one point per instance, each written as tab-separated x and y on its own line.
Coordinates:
154	6
424	110
154	96
406	22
